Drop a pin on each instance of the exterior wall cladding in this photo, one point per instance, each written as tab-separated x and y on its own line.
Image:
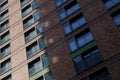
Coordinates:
34	47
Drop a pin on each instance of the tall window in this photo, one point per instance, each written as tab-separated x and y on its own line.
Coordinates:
5	37
4	15
32	33
73	23
4	25
87	59
80	40
5	51
110	3
68	9
31	19
35	47
5	66
4	5
29	8
38	64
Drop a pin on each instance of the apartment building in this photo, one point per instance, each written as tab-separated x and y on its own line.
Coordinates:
59	39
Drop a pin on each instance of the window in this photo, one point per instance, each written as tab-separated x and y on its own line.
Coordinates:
23	2
68	10
32	33
35	47
38	64
73	24
7	78
29	8
80	40
5	51
110	3
4	25
4	15
59	2
116	17
47	76
4	5
31	19
87	59
5	37
101	74
1	0
5	66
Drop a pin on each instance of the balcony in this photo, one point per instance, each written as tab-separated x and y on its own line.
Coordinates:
92	59
5	26
30	36
4	39
5	53
24	13
28	23
4	5
5	68
33	51
37	67
23	2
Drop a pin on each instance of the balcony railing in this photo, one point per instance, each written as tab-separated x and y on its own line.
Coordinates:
73	9
33	51
6	38
4	27
93	59
37	67
27	11
5	53
27	24
31	36
5	68
3	7
24	2
4	16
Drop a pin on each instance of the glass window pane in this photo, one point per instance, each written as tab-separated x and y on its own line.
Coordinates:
62	13
42	43
45	60
66	28
81	21
58	2
117	19
92	58
75	25
48	76
36	16
79	64
72	45
34	4
88	37
39	28
81	41
76	7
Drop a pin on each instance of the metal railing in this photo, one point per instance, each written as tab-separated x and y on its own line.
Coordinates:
37	67
33	51
31	36
5	53
5	68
